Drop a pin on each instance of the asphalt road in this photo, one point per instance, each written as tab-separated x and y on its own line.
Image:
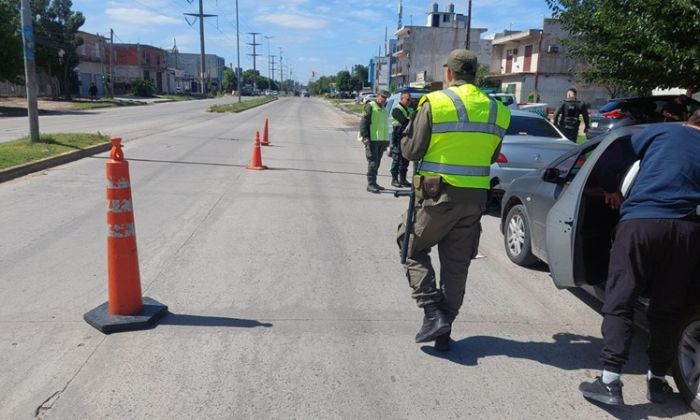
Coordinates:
285	292
129	121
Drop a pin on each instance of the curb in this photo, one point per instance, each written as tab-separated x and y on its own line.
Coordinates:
28	168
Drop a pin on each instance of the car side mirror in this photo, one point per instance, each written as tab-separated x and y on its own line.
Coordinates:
552	175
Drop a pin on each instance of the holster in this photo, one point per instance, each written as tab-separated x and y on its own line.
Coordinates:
429	186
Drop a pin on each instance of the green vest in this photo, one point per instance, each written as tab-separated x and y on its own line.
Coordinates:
407	112
379	124
468	127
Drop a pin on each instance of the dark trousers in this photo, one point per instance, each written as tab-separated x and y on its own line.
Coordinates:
399	164
373	152
658	255
570	133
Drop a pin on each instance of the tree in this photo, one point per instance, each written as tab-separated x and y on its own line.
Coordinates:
229	82
362	73
633	45
343	80
11	54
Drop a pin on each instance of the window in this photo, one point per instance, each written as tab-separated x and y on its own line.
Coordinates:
531	126
446	18
97	50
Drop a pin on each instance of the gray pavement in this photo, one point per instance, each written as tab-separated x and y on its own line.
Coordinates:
285	294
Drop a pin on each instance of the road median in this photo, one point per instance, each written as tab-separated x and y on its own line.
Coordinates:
22	157
242	106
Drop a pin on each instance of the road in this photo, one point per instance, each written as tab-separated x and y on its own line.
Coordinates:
285	293
129	121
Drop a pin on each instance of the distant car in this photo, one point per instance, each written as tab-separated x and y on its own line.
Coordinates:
621	112
558	215
416	94
508	99
306	94
369	98
530	143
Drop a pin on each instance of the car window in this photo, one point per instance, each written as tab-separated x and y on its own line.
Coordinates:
531	126
569	167
610	106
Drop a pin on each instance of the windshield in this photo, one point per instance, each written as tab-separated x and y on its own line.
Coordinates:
531	126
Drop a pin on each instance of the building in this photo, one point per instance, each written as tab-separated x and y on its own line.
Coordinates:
94	64
189	66
535	62
378	73
421	51
141	62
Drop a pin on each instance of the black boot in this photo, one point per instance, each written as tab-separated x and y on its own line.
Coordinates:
395	180
403	181
435	323
442	343
373	188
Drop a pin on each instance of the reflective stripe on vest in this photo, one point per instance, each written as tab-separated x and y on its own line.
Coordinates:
467	128
379	124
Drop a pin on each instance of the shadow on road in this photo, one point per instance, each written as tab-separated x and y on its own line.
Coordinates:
211	321
567	351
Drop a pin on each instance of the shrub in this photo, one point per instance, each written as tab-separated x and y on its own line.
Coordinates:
143	88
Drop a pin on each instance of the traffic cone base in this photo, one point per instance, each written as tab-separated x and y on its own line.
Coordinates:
151	312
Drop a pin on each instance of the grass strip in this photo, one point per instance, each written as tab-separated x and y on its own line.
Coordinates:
178	98
238	107
358	109
104	103
18	152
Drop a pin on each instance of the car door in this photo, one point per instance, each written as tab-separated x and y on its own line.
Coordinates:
561	224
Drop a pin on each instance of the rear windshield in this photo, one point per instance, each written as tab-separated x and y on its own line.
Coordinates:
612	105
529	126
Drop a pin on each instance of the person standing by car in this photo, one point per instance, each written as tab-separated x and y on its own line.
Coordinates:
455	136
401	115
567	116
656	248
374	131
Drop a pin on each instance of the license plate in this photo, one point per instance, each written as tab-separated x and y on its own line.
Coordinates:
594	124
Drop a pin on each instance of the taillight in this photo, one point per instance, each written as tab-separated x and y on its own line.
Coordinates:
613	115
501	158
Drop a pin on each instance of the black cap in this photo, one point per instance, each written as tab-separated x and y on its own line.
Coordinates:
461	61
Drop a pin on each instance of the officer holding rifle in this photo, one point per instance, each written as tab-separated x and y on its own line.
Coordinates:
455	137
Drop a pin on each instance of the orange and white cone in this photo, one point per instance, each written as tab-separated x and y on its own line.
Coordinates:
256	159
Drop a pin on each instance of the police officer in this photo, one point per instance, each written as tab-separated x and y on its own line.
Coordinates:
455	136
374	131
567	116
401	115
656	248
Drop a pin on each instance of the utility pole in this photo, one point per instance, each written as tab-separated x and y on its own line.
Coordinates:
281	75
30	70
255	69
469	22
111	62
272	68
201	17
238	57
269	61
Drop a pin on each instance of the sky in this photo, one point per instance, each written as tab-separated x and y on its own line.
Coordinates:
312	35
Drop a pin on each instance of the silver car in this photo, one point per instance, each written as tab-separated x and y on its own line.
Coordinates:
558	215
530	143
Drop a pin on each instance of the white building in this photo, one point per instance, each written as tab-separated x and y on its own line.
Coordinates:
421	51
535	61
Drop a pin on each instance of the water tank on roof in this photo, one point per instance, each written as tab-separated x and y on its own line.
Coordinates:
451	8
435	7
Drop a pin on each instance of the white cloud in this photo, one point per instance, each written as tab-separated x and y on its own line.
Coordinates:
143	17
294	21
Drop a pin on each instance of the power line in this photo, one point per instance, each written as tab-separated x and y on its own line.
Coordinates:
201	17
254	44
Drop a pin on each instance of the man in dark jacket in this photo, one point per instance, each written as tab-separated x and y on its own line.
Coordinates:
401	115
567	116
656	248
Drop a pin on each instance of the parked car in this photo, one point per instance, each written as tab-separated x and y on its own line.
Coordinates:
416	94
530	143
508	99
369	98
558	215
621	112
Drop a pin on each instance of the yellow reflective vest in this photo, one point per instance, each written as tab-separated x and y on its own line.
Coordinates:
379	124
468	127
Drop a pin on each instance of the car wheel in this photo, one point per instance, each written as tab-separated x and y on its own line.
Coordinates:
686	366
516	237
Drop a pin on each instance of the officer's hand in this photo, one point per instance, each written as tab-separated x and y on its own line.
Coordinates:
614	200
365	141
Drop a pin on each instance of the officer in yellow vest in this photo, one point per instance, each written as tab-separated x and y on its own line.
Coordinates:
455	136
375	131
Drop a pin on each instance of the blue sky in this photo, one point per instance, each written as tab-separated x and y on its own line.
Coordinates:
325	36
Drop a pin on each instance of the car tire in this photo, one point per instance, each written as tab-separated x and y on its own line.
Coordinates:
686	365
516	237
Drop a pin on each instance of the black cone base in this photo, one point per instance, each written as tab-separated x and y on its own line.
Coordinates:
107	323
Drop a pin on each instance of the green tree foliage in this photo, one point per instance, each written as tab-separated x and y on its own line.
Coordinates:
322	85
343	79
634	45
229	82
143	88
362	73
11	54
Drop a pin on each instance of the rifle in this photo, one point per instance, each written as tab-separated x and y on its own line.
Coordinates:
410	217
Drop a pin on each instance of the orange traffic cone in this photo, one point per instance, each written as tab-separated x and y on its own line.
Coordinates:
125	309
265	140
256	160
